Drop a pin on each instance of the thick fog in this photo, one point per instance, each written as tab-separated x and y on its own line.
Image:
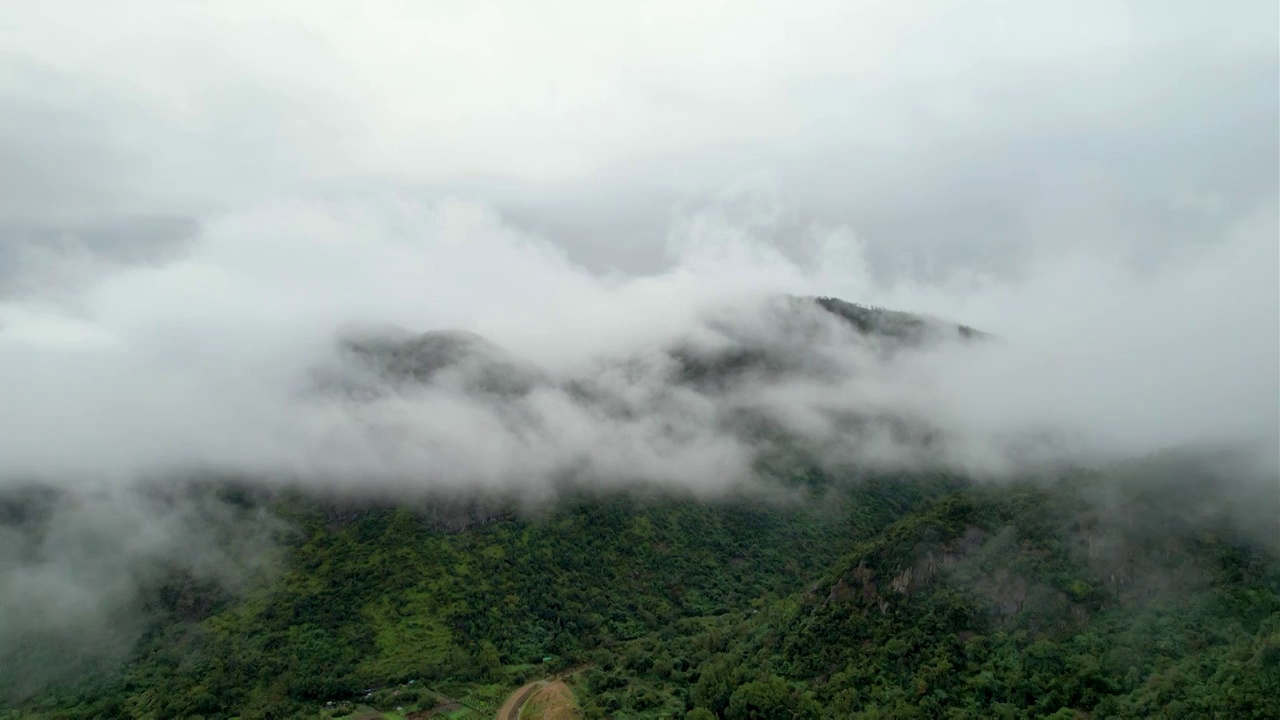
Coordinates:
200	206
197	201
206	360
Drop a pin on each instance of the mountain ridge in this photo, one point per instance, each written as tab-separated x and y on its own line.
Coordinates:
1133	589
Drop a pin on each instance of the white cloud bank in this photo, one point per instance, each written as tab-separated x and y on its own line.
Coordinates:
203	361
194	198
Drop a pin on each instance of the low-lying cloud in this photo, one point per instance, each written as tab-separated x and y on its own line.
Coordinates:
82	573
204	361
203	208
285	348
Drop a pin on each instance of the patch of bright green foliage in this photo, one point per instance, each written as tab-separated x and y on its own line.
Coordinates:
1023	601
891	597
385	598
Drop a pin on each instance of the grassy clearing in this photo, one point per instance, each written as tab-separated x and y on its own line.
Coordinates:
407	632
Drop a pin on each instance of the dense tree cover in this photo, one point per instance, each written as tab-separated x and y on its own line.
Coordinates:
1010	601
890	597
381	595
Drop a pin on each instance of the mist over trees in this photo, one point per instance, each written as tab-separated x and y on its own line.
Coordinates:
566	360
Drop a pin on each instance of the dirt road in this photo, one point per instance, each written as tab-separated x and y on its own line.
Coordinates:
514	704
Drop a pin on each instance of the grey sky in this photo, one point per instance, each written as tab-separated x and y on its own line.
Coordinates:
946	132
196	196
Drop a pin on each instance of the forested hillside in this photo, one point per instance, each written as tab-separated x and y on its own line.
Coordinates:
882	596
817	587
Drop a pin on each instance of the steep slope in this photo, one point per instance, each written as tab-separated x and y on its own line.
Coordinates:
1151	597
819	589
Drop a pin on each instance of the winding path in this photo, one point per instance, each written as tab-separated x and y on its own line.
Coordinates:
515	703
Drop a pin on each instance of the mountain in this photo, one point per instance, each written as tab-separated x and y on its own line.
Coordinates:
1144	588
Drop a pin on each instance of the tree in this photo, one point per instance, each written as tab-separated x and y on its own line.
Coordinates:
714	687
765	699
489	661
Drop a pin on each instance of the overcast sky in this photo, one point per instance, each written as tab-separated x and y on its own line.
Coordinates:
941	132
196	196
189	190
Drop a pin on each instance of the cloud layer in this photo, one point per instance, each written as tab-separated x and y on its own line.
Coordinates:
197	198
203	362
198	202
